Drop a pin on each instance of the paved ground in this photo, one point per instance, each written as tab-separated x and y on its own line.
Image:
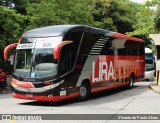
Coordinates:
139	100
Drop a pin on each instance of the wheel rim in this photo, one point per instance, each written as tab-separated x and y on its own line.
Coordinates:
131	82
82	91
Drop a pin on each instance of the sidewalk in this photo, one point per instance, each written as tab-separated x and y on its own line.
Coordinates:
9	77
8	89
155	87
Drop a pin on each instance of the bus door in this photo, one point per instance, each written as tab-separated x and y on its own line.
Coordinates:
66	63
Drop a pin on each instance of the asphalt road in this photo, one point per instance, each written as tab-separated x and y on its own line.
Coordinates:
139	100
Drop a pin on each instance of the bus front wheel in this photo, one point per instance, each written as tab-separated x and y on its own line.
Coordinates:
84	91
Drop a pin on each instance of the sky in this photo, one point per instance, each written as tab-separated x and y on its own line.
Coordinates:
139	1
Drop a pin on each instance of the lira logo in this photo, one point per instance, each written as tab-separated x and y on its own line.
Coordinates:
111	70
105	71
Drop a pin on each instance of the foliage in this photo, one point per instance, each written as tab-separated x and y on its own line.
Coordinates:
144	23
100	15
124	16
6	3
108	14
114	15
157	16
11	26
54	12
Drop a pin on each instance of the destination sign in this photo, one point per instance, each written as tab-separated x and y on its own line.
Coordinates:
49	42
25	46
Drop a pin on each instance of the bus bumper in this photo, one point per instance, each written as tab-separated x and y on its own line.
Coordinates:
45	98
149	75
48	93
36	97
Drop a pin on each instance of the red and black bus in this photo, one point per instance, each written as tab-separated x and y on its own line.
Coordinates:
59	62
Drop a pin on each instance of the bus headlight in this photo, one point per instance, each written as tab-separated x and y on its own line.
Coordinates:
51	86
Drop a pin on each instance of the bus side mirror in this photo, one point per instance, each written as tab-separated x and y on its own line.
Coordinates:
58	48
7	49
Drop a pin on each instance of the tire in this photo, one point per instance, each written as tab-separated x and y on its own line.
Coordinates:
84	92
131	82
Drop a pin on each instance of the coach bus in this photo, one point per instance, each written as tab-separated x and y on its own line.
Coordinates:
60	62
150	64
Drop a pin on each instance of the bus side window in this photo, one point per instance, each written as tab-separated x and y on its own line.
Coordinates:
141	50
122	51
136	48
76	38
66	59
129	52
108	49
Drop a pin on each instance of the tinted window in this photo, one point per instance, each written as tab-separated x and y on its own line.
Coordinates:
76	38
108	49
127	47
88	42
131	48
44	56
66	59
122	51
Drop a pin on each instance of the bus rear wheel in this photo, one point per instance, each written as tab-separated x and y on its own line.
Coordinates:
131	81
84	91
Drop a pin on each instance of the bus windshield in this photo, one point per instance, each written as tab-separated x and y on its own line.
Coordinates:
149	62
35	61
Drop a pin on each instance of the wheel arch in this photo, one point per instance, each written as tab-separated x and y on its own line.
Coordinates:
86	81
133	75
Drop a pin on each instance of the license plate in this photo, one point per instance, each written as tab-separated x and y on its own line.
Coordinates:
29	96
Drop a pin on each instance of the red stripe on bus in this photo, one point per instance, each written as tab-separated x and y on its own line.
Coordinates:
7	49
119	35
57	49
108	87
22	83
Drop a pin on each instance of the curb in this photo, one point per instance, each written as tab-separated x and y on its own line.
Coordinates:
154	87
150	86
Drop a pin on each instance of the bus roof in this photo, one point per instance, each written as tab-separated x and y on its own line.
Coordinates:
148	50
56	30
60	30
119	35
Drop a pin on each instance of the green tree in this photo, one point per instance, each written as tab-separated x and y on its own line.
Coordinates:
144	24
122	15
11	26
157	14
101	16
20	5
53	12
114	15
6	3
